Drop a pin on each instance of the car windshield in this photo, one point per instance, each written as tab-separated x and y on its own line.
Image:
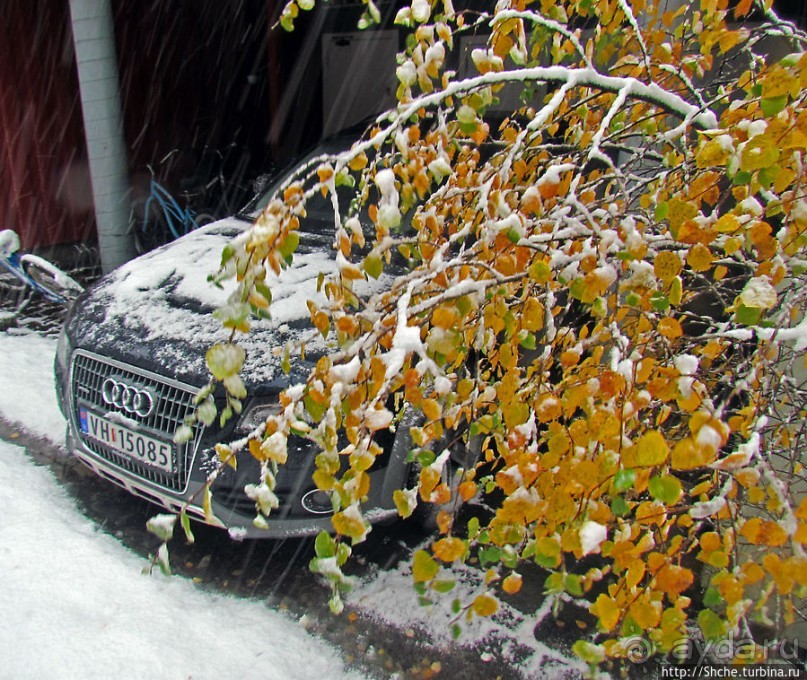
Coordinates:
319	208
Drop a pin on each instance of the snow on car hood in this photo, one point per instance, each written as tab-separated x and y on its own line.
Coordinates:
156	311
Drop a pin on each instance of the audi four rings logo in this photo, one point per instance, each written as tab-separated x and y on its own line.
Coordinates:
129	398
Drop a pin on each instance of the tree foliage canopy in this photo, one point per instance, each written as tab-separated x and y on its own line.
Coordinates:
595	296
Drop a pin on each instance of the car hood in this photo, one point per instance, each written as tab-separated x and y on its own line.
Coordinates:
156	311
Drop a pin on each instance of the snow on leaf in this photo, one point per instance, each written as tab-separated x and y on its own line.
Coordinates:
758	293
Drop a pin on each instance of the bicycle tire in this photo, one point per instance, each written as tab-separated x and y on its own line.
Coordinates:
204	218
59	284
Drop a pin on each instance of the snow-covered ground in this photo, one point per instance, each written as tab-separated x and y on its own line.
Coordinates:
74	603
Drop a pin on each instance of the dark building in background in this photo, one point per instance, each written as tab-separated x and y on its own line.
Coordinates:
206	79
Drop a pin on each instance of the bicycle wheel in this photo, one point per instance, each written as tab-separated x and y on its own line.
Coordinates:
202	219
53	282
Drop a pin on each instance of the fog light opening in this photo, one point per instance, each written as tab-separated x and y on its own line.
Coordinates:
317	502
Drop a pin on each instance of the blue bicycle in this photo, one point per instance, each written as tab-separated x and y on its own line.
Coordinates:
161	219
33	274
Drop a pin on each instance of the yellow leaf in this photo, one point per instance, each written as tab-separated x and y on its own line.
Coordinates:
680	212
728	223
652	449
711	541
607	611
777	83
444	317
700	258
349	523
667	266
424	568
711	154
645	613
752	572
782	573
759	152
403	503
485	605
359	162
688	455
431	409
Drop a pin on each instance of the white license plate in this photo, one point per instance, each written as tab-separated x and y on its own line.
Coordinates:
123	440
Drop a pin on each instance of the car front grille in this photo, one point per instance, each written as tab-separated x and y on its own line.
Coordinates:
173	402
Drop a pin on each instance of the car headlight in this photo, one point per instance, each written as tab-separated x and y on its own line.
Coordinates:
256	414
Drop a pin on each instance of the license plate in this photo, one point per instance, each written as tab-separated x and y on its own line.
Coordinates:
139	447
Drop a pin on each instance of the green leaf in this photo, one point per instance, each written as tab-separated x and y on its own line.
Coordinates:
185	521
741	177
592	654
343	552
225	359
162	526
748	316
207	411
324	545
624	479
661	211
660	302
289	245
227	254
573	585
619	506
713	626
773	105
373	265
554	583
712	597
443	585
528	341
665	488
473	528
315	409
514	235
163	561
264	290
490	555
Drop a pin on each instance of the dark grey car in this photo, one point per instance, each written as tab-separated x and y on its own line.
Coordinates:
131	360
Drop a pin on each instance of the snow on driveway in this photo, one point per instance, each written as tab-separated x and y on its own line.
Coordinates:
73	603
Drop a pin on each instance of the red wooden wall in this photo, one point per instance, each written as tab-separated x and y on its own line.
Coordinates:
44	180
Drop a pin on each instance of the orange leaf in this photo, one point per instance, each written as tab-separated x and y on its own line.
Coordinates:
449	549
512	584
674	580
670	328
764	532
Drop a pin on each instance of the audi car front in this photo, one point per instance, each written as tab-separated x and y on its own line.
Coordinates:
131	360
